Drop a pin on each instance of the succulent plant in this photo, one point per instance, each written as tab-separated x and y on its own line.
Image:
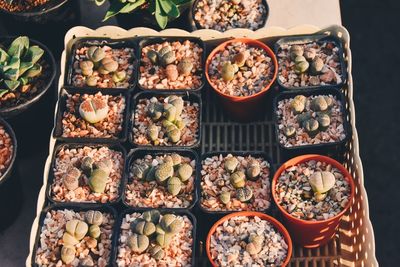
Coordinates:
180	124
69	239
174	185
174	135
91	242
95	54
238	179
170	112
108	64
301	65
328	100
230	164
244	194
253	169
185	171
86	67
93	110
172	72
159	229
239	59
68	254
71	178
138	243
289	131
152	132
258	239
105	165
119	76
228	72
153	57
163	172
311	126
185	66
324	121
225	197
177	102
295	51
94	217
77	228
164	50
168	58
163	240
157	252
303	117
94	231
87	165
171	224
151	216
322	181
297	106
151	174
143	227
140	170
253	248
310	53
319	104
98	180
316	66
91	80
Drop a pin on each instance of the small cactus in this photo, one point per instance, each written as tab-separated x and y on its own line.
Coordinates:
86	67
94	217
119	76
172	72
69	239
68	254
95	54
157	252
295	51
185	171
174	186
324	121
316	66
94	231
319	104
140	171
163	240
71	178
227	72
239	59
225	197
163	172
87	165
311	126
143	227
152	132
185	66
253	169
153	57
138	243
93	110
230	164
151	216
322	182
238	179
77	228
155	110
98	181
244	194
289	131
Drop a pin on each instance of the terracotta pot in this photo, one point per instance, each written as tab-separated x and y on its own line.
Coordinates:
247	107
278	226
311	234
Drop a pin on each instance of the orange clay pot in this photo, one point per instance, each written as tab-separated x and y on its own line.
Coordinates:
311	234
278	226
246	107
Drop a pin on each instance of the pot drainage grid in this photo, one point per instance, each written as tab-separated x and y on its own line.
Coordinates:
219	133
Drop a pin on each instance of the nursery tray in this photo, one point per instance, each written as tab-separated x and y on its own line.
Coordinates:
354	243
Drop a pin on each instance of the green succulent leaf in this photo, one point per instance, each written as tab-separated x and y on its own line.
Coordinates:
12	74
169	8
12	85
161	16
4	57
35	71
33	54
3	92
18	46
24	66
13	64
114	9
132	6
23	80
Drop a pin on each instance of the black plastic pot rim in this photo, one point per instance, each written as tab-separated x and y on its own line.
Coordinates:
76	208
57	132
157	151
312	92
50	177
86	41
13	137
39	10
148	94
196	25
52	65
305	39
191	217
148	40
261	154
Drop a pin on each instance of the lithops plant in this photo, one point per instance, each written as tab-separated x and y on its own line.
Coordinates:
185	171
225	197
174	186
298	104
163	172
152	132
94	217
324	121
301	65
244	194
163	240
230	164
98	181
157	252
289	131
138	243
87	165
143	227
151	216
95	54
321	182
185	66
77	228
93	110
94	231
71	178
155	110
319	104
228	71
316	66
238	179
171	223
68	254
311	126
253	169
295	51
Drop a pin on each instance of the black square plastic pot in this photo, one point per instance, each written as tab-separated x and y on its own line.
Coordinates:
75	208
116	237
58	130
191	97
334	150
196	26
319	39
101	41
150	40
57	149
140	153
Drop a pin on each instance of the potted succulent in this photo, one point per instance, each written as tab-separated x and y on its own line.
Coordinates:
162	10
156	238
163	119
223	15
160	179
241	71
312	193
234	182
27	70
248	239
86	173
74	235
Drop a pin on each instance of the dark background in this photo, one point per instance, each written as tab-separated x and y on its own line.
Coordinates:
375	49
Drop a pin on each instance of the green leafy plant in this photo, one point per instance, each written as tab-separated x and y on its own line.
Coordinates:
163	10
19	65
